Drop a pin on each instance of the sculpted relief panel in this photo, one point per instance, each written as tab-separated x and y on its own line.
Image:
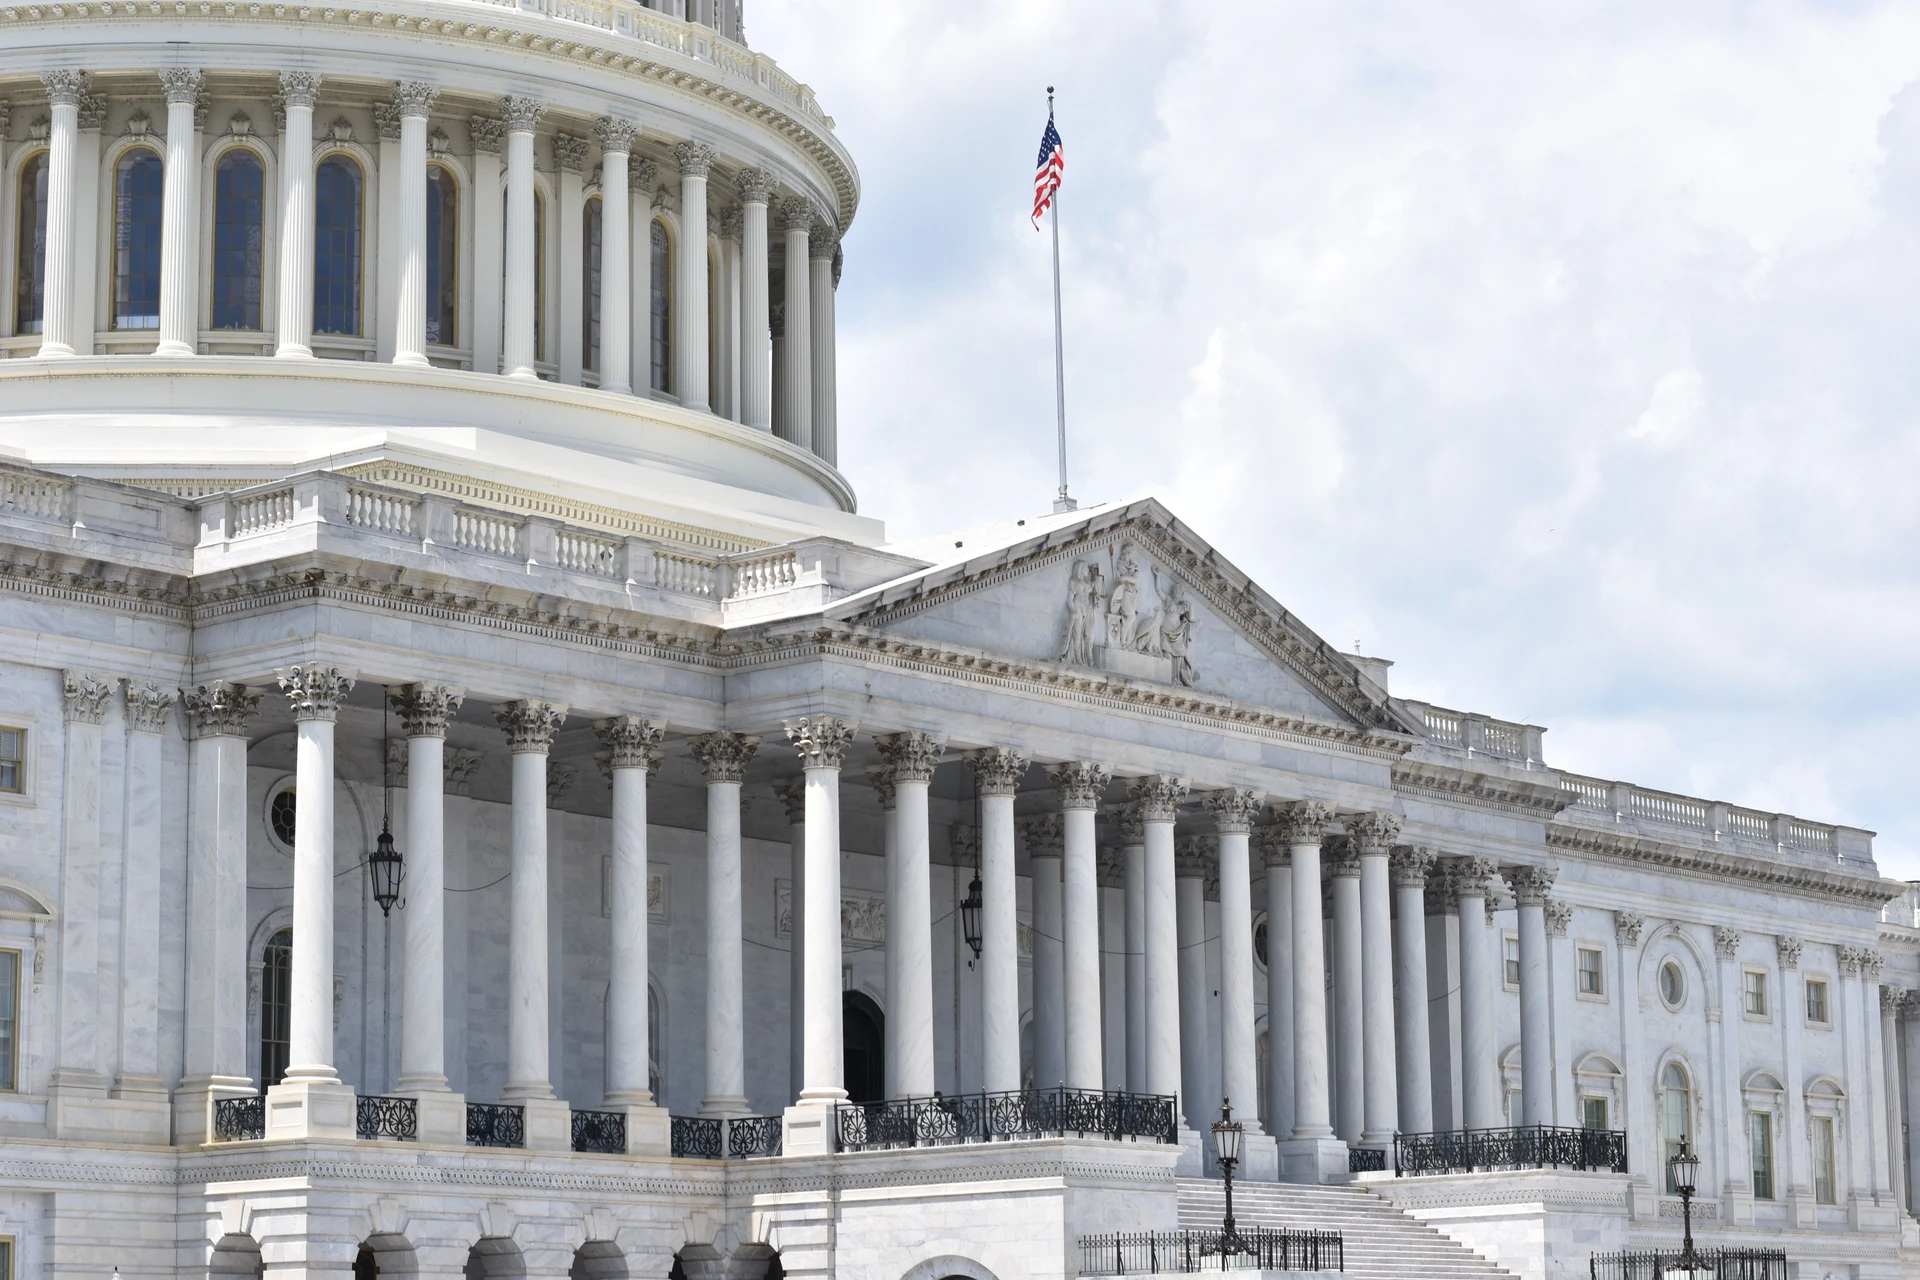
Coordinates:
1135	634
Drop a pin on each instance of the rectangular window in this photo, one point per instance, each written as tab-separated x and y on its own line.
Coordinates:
1823	1160
13	761
1816	1000
1511	951
1760	1141
1756	994
1593	1112
1590	980
6	1258
9	1023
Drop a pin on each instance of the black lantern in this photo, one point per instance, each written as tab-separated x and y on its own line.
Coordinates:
1227	1136
385	864
1684	1169
970	917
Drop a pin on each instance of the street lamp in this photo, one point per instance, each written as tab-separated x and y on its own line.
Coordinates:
1684	1169
1227	1133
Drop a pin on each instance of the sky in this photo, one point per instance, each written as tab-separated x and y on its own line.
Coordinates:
1567	355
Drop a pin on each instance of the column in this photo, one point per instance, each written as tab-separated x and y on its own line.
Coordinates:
690	279
996	773
1233	812
489	269
1641	1119
792	793
215	1059
1373	835
824	247
64	91
643	176
630	750
76	1076
1879	1157
1479	1073
86	221
756	382
616	255
413	100
1112	864
1080	784
1854	1040
723	761
299	90
1277	855
822	742
1443	996
384	299
522	117
149	716
1561	982
1133	852
1887	1100
311	1101
1310	1155
179	221
726	319
1349	1032
1043	840
1409	868
796	382
1193	861
569	163
1156	795
424	710
1530	885
910	761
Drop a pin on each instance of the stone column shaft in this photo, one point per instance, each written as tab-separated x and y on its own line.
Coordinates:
825	379
1480	1093
911	759
1349	1031
179	218
1000	956
410	321
295	327
1374	834
630	745
823	741
1155	796
1190	928
217	819
796	383
529	727
793	794
756	379
1049	993
1280	1085
522	247
1412	1044
149	715
1530	888
690	302
1233	813
424	711
315	693
78	989
1135	853
616	258
1080	923
57	337
1312	1118
723	759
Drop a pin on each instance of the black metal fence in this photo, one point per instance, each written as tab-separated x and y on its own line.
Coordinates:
944	1120
697	1137
739	1138
1721	1264
496	1124
1148	1252
602	1131
752	1136
1366	1159
379	1117
1529	1147
240	1119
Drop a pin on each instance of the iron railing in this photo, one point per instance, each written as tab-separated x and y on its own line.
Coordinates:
1721	1264
240	1119
379	1117
496	1124
737	1138
944	1120
751	1136
1537	1146
602	1131
1151	1252
696	1137
1366	1159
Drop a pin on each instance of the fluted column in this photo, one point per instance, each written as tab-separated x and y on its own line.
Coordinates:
424	710
1412	1046
1373	835
179	220
1880	1157
489	247
1277	854
522	248
1302	823
1193	862
299	90
149	715
412	100
529	727
792	793
756	377
616	255
1156	796
1531	885
631	749
1080	784
1856	1041
1043	841
690	300
1233	811
723	761
1349	1031
823	245
796	380
725	322
1133	852
822	743
1479	1073
1112	864
997	772
1889	1112
314	693
1641	1119
77	993
64	91
1797	1176
910	761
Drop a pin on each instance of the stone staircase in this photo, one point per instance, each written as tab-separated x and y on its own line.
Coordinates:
1380	1242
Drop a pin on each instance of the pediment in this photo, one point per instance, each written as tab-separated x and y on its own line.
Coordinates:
1129	593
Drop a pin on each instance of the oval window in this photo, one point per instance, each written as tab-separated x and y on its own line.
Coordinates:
280	814
1673	986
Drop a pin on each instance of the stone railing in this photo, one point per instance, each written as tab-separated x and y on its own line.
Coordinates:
1710	821
38	497
1477	735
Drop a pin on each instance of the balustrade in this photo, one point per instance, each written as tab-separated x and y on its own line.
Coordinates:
945	1120
39	497
261	512
496	1124
602	1131
382	1117
1526	1147
380	512
240	1119
1366	1160
1254	1249
1721	1264
696	1137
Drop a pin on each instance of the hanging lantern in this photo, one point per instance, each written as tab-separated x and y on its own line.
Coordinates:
970	918
387	868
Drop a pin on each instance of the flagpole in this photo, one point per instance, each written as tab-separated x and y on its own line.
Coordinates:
1061	501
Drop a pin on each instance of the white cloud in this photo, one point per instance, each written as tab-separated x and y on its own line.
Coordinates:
1564	355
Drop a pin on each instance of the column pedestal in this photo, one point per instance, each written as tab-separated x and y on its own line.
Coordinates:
1259	1158
313	1109
192	1106
807	1128
442	1116
1313	1160
549	1124
649	1131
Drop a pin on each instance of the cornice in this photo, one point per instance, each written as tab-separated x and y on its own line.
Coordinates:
1863	890
144	592
1450	785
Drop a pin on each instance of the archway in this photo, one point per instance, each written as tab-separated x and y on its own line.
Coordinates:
598	1260
863	1048
496	1258
235	1256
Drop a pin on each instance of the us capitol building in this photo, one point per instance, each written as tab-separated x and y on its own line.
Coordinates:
477	799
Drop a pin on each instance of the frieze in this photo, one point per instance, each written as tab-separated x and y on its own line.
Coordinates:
1818	880
863	917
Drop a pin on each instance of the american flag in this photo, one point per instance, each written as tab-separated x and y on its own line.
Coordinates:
1046	178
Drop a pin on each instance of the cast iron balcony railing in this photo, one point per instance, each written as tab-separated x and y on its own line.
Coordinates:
696	1137
1366	1159
944	1120
602	1131
496	1124
752	1136
1256	1249
1537	1146
378	1117
737	1138
1721	1264
240	1119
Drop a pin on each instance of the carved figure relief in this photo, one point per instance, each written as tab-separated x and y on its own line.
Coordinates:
1083	603
1123	606
1162	632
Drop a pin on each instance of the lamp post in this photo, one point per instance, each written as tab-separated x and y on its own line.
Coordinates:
1684	1168
1227	1133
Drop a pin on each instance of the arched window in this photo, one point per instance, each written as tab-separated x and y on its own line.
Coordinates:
137	183
659	301
276	1005
239	216
590	238
336	246
443	249
30	248
1676	1113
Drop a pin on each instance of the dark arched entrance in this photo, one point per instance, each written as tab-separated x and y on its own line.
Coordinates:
863	1051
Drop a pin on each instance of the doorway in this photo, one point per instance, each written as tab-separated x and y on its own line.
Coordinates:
863	1060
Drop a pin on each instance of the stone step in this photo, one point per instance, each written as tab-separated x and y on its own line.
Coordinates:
1379	1241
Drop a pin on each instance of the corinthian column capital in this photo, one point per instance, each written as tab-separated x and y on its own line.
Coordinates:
149	707
65	86
1157	794
997	770
181	85
822	741
910	757
756	186
522	115
424	709
315	690
529	725
300	88
1080	783
413	99
615	134
723	757
1530	884
1409	866
1374	833
85	696
1234	808
221	709
695	159
1302	821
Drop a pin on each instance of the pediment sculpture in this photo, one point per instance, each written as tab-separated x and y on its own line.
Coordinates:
1153	641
